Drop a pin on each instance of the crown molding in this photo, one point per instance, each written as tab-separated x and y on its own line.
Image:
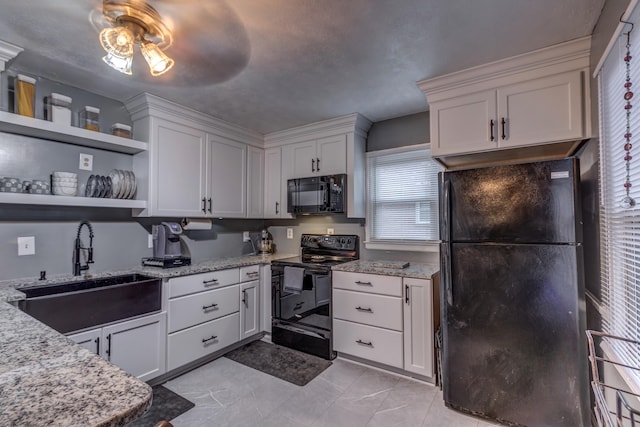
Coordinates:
574	53
8	51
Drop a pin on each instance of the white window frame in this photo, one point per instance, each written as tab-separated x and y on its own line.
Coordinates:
396	245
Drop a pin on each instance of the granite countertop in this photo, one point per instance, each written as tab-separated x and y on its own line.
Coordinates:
46	379
416	270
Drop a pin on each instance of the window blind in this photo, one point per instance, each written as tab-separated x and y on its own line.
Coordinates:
620	228
402	196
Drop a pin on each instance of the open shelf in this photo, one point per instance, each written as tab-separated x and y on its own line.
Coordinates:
52	200
43	129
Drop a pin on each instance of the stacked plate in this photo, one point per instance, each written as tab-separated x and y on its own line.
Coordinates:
10	185
123	184
98	186
64	183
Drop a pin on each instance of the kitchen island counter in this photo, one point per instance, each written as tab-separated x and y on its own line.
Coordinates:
415	270
46	379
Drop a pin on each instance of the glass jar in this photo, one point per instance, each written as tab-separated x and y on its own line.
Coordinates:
90	118
25	95
59	108
121	130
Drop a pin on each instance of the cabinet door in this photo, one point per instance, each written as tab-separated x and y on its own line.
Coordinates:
464	124
179	175
227	175
137	346
542	110
300	158
249	309
255	182
91	340
418	327
273	205
331	155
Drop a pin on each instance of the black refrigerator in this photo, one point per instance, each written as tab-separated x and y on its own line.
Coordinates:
512	294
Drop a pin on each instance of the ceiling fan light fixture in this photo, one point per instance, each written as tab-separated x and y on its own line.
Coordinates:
118	62
118	39
159	62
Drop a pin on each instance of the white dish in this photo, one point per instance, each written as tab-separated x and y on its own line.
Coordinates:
65	175
65	184
127	180
64	180
63	191
115	183
133	183
123	184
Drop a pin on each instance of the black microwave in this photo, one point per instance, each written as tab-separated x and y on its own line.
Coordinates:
317	194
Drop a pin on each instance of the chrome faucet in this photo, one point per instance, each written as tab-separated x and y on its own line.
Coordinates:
77	267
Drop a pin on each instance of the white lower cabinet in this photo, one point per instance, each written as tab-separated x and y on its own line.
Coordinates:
384	319
208	312
137	345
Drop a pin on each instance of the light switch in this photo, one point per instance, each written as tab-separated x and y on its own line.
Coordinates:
26	245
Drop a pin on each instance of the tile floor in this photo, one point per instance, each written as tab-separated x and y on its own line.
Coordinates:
227	393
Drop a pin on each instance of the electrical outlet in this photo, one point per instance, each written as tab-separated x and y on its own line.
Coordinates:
245	236
329	231
150	241
289	233
26	245
86	162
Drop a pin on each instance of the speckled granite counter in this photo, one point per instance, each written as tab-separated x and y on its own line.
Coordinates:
45	379
415	270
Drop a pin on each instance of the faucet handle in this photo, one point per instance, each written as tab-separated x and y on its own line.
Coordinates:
90	256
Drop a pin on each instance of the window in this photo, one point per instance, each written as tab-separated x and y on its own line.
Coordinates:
402	198
620	228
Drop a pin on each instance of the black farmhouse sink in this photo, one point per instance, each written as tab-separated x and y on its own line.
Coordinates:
76	305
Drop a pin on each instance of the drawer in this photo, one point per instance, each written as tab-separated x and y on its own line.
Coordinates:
249	273
198	308
372	283
201	282
196	342
368	342
371	309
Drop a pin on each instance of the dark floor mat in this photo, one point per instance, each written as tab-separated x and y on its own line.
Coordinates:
281	362
166	406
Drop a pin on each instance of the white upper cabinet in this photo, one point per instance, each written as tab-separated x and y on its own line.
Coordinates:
537	99
325	156
255	182
275	195
227	174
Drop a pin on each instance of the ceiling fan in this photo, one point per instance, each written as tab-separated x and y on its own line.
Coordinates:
205	41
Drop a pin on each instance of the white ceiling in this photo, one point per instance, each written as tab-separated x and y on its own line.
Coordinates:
270	65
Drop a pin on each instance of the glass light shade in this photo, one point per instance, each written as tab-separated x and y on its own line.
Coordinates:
120	63
159	63
118	40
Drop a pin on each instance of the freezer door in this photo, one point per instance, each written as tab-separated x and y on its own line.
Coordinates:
513	334
528	203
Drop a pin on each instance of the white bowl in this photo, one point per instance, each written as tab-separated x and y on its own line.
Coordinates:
63	191
66	184
65	175
64	180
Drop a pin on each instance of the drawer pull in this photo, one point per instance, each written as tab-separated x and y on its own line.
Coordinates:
252	273
210	282
358	282
298	306
368	310
368	344
211	338
207	307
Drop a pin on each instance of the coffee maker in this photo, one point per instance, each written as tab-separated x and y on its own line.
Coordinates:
167	249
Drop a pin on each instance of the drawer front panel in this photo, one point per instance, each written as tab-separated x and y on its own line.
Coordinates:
198	308
185	285
372	283
190	344
249	273
368	342
371	309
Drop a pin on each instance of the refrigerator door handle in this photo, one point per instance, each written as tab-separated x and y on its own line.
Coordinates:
445	250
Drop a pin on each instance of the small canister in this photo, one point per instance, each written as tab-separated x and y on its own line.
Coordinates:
59	109
122	130
90	118
25	95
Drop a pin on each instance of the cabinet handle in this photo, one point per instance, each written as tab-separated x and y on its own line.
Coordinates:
313	165
210	282
277	206
209	200
108	347
368	310
491	129
252	273
503	122
358	282
97	341
406	294
298	306
206	340
244	298
204	205
369	344
206	307
317	164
